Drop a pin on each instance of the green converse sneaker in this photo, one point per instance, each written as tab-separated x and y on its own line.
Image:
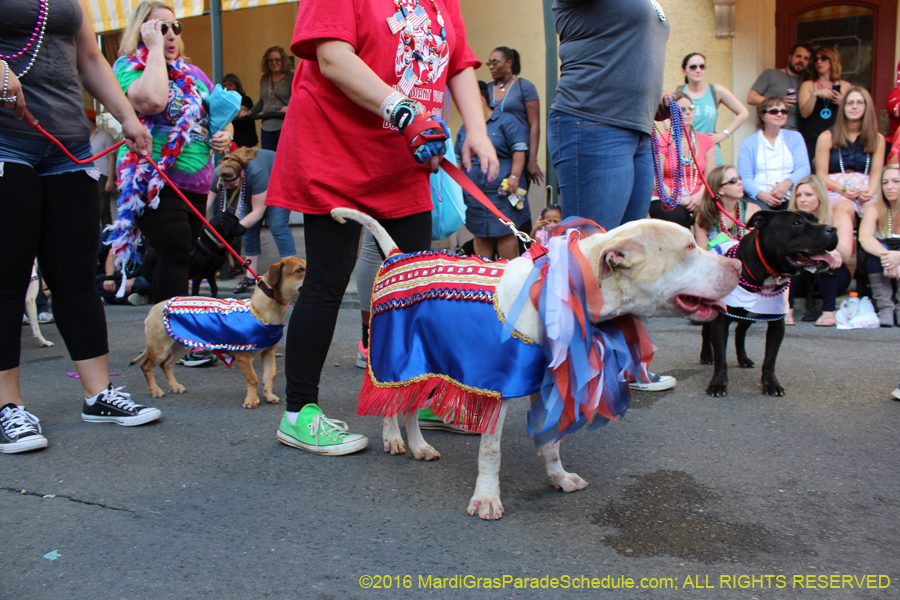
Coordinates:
429	420
316	433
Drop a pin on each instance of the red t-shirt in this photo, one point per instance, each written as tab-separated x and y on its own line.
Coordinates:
333	152
704	143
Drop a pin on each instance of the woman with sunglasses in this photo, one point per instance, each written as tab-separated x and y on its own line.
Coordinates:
772	158
691	187
879	235
171	96
707	98
850	156
512	94
818	98
711	226
274	95
811	195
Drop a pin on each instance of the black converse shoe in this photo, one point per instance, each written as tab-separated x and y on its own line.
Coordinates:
115	406
20	430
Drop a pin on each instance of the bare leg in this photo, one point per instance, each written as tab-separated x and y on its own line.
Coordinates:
94	374
508	246
561	480
9	387
420	448
484	246
486	499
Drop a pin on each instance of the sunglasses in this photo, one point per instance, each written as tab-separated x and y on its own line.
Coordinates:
776	111
689	107
821	58
494	63
273	60
731	181
695	67
175	25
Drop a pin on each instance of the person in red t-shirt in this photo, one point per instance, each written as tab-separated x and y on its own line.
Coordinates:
369	69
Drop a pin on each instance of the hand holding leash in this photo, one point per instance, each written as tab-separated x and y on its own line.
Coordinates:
425	136
12	96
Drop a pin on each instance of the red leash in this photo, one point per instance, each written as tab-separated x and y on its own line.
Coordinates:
33	123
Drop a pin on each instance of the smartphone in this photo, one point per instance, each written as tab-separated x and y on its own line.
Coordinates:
837	87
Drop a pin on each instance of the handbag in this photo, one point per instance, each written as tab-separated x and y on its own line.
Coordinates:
449	212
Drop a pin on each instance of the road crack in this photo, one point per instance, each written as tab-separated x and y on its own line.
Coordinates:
22	492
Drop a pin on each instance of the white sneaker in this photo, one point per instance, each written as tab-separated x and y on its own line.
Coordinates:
137	300
45	317
657	383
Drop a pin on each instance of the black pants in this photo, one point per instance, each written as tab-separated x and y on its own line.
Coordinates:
331	250
827	286
55	218
172	230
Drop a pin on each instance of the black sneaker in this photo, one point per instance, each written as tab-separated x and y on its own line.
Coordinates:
199	358
20	430
115	406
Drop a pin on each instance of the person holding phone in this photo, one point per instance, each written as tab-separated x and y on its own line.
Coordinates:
819	98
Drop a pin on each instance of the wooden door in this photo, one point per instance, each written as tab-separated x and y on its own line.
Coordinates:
863	33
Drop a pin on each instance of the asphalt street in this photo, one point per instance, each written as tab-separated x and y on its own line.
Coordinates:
746	496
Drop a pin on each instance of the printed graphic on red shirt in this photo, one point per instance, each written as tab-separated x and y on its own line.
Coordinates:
422	49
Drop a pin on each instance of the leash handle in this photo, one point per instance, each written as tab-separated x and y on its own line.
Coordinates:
715	197
468	185
33	123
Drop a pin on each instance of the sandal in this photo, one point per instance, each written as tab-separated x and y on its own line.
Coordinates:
789	319
245	284
826	321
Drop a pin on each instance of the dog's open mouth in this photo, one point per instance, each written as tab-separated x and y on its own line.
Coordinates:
814	263
699	309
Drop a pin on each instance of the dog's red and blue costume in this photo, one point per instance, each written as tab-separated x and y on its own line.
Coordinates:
582	370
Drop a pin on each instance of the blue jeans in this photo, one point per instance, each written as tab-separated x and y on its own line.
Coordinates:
43	156
605	172
279	226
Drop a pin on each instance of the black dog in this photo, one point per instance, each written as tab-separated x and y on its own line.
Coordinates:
781	245
209	254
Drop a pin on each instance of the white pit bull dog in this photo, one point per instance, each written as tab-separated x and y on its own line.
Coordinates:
643	268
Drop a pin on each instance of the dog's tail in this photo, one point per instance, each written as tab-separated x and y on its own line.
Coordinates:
384	240
137	358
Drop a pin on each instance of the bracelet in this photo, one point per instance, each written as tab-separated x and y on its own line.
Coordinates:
390	104
513	177
4	97
404	112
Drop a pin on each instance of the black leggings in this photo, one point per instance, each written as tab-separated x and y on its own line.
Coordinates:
828	286
172	230
57	219
331	250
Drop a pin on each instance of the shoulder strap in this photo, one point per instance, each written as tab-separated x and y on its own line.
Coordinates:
712	89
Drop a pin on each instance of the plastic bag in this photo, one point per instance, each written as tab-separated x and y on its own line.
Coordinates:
866	319
224	106
449	213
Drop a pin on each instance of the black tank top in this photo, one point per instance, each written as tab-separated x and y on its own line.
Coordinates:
854	157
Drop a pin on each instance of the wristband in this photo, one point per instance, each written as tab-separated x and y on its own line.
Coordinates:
389	104
405	112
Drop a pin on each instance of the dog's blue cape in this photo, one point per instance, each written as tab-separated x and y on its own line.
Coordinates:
227	324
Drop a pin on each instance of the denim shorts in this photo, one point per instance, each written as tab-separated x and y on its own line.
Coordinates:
43	156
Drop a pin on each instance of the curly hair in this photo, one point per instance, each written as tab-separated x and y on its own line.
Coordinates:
265	59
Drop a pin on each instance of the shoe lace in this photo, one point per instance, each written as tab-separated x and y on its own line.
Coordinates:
17	421
322	425
118	398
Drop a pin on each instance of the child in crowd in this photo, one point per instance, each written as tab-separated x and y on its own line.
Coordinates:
550	218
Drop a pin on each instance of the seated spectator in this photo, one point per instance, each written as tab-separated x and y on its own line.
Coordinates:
707	98
878	234
510	140
811	195
691	186
784	82
709	222
241	185
109	278
772	158
550	218
244	130
850	156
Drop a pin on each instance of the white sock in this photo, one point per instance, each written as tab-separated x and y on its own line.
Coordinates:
292	416
90	401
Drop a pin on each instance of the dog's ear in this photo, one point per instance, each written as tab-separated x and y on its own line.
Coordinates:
618	255
761	219
273	275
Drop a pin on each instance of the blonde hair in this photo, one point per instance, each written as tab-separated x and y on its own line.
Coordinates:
236	163
823	212
885	205
131	35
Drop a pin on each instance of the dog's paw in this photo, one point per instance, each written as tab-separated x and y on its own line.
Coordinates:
706	359
394	445
251	402
745	362
487	506
568	482
272	398
425	452
717	390
176	389
157	393
46	343
772	388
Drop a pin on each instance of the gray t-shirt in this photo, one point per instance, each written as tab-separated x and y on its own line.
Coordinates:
612	55
53	86
777	82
